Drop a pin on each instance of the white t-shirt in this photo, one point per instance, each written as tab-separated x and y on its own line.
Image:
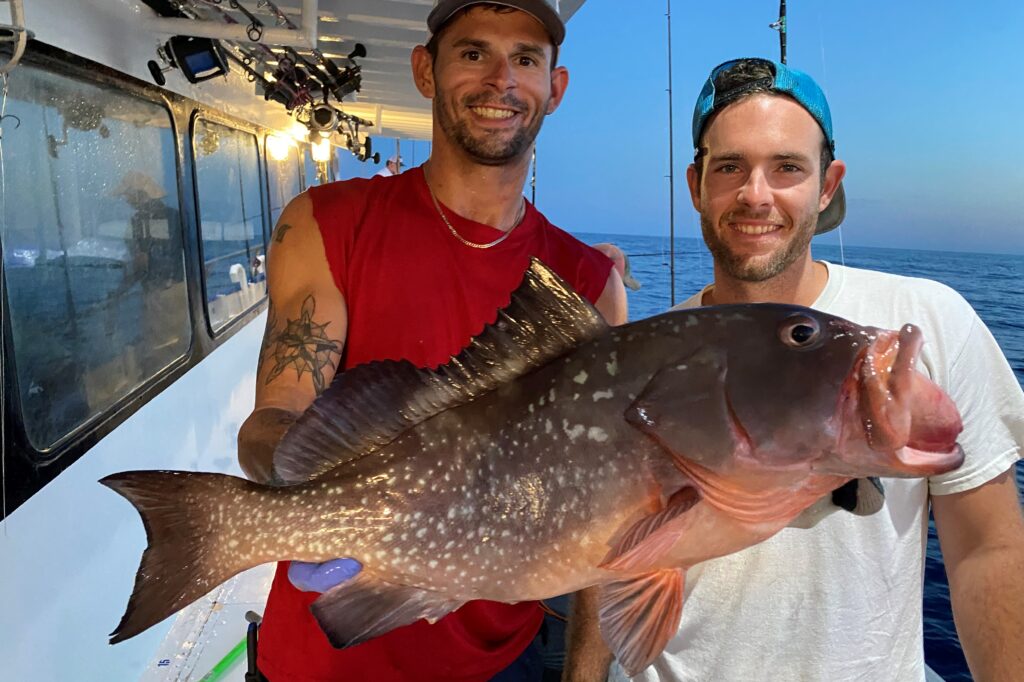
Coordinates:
843	601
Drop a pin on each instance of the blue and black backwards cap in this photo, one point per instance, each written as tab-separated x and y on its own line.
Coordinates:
784	80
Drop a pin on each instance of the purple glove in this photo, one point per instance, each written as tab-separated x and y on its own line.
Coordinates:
322	577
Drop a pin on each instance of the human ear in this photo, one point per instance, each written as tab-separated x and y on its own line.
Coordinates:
423	71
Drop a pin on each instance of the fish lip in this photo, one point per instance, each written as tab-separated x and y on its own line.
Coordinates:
929	463
906	420
884	383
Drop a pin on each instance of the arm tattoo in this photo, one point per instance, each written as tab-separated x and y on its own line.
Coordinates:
267	335
302	344
279	232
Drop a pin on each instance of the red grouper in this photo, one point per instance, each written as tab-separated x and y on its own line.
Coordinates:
552	454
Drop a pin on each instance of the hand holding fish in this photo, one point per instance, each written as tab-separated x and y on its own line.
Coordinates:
320	577
553	454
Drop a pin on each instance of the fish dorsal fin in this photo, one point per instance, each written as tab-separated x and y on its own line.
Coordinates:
368	406
650	537
639	615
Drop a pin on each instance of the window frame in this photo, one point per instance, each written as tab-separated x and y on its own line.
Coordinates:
259	140
29	470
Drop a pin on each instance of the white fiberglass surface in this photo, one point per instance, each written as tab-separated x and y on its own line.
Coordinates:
68	556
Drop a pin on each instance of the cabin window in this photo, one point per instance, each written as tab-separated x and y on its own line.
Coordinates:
284	174
230	219
91	230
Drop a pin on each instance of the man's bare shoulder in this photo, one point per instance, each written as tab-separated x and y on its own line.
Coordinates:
296	252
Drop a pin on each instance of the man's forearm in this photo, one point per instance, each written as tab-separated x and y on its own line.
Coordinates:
258	438
988	608
587	657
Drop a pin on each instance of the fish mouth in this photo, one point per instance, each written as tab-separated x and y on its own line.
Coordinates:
908	422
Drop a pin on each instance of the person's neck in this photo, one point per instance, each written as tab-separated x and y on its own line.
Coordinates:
800	284
491	195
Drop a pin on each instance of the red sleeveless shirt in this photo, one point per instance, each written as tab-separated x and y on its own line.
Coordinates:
414	291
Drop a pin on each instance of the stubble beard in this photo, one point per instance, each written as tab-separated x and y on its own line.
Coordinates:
758	268
489	150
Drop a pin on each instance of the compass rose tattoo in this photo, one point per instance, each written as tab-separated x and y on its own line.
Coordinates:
302	344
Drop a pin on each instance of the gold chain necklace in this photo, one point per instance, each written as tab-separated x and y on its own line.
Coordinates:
519	219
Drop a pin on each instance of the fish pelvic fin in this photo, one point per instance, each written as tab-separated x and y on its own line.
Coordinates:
638	616
367	607
368	406
183	559
652	536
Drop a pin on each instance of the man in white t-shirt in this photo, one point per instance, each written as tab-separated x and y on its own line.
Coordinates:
842	600
392	166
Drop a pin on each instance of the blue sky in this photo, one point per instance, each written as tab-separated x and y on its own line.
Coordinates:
926	100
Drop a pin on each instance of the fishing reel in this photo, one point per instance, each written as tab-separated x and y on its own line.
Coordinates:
362	151
198	59
290	87
350	131
323	119
346	80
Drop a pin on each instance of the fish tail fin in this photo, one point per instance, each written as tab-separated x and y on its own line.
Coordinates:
183	513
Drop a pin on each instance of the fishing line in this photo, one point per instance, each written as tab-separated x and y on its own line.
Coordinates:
3	311
824	79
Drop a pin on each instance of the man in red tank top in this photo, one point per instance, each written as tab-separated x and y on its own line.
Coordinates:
412	266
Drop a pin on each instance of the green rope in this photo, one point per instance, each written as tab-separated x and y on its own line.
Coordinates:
226	663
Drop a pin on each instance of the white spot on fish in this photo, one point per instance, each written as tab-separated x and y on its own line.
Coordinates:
603	395
581	378
551	395
548	426
612	366
598	434
575	432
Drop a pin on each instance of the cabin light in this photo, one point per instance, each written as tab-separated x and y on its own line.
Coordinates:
278	147
322	151
299	131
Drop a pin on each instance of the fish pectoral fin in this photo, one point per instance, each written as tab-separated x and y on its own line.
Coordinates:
638	616
652	536
684	408
367	607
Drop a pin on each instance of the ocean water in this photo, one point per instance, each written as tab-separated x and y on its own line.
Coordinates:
993	284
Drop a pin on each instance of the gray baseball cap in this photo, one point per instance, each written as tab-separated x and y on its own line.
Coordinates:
544	11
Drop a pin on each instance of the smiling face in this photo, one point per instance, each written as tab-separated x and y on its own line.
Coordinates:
760	191
491	83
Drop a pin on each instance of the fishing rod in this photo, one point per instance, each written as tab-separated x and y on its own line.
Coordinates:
291	84
294	74
343	82
780	26
671	168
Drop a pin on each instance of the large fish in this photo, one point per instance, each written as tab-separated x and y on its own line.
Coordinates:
555	453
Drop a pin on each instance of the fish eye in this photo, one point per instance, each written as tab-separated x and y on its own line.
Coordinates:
799	331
